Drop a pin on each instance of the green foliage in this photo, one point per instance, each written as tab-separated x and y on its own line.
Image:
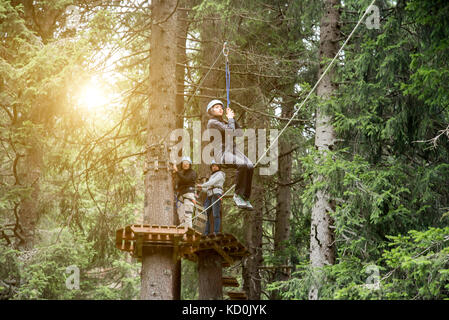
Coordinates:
44	274
44	132
121	284
384	178
388	184
189	283
419	265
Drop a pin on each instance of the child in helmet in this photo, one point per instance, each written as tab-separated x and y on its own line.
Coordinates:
185	188
214	189
230	155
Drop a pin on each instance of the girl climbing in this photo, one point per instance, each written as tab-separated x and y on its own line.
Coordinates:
230	155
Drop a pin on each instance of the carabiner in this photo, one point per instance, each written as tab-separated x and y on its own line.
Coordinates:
225	49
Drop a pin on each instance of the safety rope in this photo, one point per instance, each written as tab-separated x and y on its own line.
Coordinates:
301	105
228	73
316	84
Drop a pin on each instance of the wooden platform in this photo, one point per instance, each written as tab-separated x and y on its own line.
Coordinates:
186	242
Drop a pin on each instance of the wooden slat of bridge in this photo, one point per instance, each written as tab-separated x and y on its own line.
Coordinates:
186	240
230	282
237	295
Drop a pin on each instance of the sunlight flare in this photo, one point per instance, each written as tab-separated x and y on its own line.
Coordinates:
93	96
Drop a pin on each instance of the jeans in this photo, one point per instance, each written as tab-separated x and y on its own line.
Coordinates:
245	169
215	210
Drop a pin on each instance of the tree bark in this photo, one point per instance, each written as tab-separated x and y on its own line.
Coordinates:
210	270
29	207
252	281
181	58
210	275
322	248
159	269
252	284
283	202
31	165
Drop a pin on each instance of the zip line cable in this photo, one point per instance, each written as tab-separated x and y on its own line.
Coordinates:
202	80
300	106
316	84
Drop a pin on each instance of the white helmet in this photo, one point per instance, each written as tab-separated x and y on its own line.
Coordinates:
213	162
213	103
186	158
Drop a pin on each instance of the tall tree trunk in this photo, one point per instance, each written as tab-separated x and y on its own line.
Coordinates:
322	248
29	207
210	270
159	269
43	24
252	282
210	275
253	236
181	59
283	202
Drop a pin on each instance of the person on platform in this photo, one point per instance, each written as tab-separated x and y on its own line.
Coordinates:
185	189
214	189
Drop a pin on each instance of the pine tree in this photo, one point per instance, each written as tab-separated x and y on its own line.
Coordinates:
159	270
322	245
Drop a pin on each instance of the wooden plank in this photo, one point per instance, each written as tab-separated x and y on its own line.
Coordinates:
158	229
237	295
227	258
230	282
188	241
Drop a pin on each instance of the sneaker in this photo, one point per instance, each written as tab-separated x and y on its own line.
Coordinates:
239	201
249	206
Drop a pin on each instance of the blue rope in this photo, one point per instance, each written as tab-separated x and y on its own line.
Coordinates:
228	81
177	201
228	73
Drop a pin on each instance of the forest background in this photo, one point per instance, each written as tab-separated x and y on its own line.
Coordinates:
73	127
